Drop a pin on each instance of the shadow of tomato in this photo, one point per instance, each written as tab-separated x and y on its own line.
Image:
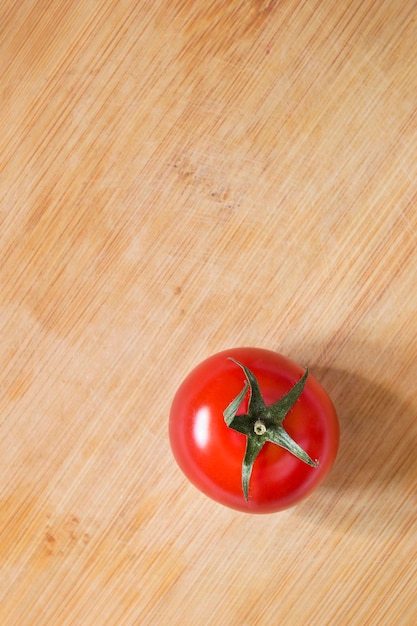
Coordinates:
378	434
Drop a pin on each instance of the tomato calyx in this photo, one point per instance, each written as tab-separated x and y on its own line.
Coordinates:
263	422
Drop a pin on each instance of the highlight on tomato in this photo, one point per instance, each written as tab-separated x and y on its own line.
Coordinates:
253	430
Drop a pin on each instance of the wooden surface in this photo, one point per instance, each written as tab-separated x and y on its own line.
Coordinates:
177	178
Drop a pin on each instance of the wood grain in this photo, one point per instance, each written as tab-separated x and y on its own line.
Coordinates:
177	178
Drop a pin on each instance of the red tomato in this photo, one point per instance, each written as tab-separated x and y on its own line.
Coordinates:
211	453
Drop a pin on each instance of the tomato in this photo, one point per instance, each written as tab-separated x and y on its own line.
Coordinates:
253	430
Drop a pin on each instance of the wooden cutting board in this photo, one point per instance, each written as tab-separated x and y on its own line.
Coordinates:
178	178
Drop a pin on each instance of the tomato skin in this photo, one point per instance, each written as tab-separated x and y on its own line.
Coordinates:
210	453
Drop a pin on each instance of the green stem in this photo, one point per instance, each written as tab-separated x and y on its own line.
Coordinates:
263	423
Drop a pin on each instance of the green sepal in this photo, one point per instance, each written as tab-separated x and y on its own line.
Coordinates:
283	439
230	412
253	447
280	409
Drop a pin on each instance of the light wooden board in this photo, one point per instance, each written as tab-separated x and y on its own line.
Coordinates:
177	178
